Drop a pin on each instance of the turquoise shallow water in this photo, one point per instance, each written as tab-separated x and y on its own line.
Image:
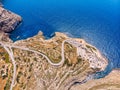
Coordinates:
96	21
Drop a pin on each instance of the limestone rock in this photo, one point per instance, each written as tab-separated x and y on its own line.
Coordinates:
8	20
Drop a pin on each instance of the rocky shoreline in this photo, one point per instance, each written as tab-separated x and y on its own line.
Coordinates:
32	57
61	60
8	22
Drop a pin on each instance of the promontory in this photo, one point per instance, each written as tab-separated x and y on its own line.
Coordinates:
59	63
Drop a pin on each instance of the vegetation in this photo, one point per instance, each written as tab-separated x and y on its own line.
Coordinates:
18	76
90	47
7	86
7	58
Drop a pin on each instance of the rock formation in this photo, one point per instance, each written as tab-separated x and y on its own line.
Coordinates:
8	20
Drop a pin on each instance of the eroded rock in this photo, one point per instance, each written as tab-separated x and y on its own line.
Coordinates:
8	20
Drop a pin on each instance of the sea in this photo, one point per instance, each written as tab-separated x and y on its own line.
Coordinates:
96	21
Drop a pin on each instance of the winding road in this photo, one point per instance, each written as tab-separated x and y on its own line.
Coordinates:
10	52
8	48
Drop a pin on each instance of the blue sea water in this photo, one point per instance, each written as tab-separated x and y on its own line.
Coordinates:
96	21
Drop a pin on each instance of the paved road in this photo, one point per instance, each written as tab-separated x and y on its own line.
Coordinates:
10	52
27	49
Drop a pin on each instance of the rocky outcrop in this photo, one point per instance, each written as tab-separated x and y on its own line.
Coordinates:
8	20
110	82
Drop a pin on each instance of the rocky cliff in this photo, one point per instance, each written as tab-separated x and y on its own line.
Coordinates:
8	21
55	64
60	63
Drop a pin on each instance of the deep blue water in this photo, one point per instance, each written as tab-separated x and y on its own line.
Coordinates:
96	21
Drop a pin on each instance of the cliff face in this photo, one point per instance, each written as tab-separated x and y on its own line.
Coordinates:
8	20
60	63
110	82
38	65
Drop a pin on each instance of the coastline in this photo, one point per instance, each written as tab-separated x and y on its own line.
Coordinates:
111	81
58	35
9	21
64	39
35	43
